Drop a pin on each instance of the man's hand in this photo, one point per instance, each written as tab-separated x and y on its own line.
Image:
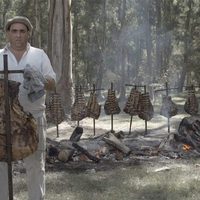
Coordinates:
49	83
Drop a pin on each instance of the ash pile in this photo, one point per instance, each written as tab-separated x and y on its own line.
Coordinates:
123	147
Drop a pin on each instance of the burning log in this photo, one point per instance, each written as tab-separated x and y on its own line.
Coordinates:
132	104
191	105
146	110
115	142
168	108
189	132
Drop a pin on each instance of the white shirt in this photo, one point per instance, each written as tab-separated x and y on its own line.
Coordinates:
37	59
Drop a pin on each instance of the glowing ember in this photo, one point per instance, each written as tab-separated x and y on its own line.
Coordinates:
186	147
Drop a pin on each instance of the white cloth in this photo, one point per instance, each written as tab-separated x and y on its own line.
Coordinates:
35	163
34	83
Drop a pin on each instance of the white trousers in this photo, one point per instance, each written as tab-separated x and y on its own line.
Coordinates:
35	168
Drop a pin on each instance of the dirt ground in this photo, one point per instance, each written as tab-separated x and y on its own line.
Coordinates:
144	174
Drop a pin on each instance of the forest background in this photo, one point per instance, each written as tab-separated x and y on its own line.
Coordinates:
97	42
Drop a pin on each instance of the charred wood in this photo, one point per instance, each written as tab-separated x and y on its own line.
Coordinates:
85	152
189	132
76	135
115	142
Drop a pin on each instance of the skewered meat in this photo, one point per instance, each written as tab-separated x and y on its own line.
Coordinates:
146	110
191	105
93	108
23	126
54	109
79	108
111	106
168	108
132	104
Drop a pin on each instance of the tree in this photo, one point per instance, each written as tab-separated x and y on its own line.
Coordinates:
60	48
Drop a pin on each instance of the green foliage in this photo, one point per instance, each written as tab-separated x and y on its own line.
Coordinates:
99	36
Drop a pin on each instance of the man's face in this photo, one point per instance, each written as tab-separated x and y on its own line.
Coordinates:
18	36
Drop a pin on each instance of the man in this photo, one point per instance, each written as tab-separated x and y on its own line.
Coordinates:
22	56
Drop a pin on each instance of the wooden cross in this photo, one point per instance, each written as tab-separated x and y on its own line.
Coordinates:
8	134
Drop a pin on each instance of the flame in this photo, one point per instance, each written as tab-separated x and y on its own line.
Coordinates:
186	147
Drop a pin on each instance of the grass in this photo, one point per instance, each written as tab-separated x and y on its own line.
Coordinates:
178	181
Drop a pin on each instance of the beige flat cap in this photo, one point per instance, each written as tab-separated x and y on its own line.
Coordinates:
19	19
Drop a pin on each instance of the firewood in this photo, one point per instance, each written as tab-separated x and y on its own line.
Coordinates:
63	150
84	151
189	132
76	135
115	142
65	155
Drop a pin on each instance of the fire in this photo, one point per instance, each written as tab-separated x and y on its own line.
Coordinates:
186	147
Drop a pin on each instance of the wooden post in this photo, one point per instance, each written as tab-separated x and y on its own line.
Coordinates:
8	134
94	127
57	127
168	119
112	114
145	91
131	120
8	128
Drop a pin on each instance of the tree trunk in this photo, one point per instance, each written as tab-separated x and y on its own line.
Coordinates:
37	32
187	46
76	46
60	48
123	55
102	49
148	41
157	70
167	40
